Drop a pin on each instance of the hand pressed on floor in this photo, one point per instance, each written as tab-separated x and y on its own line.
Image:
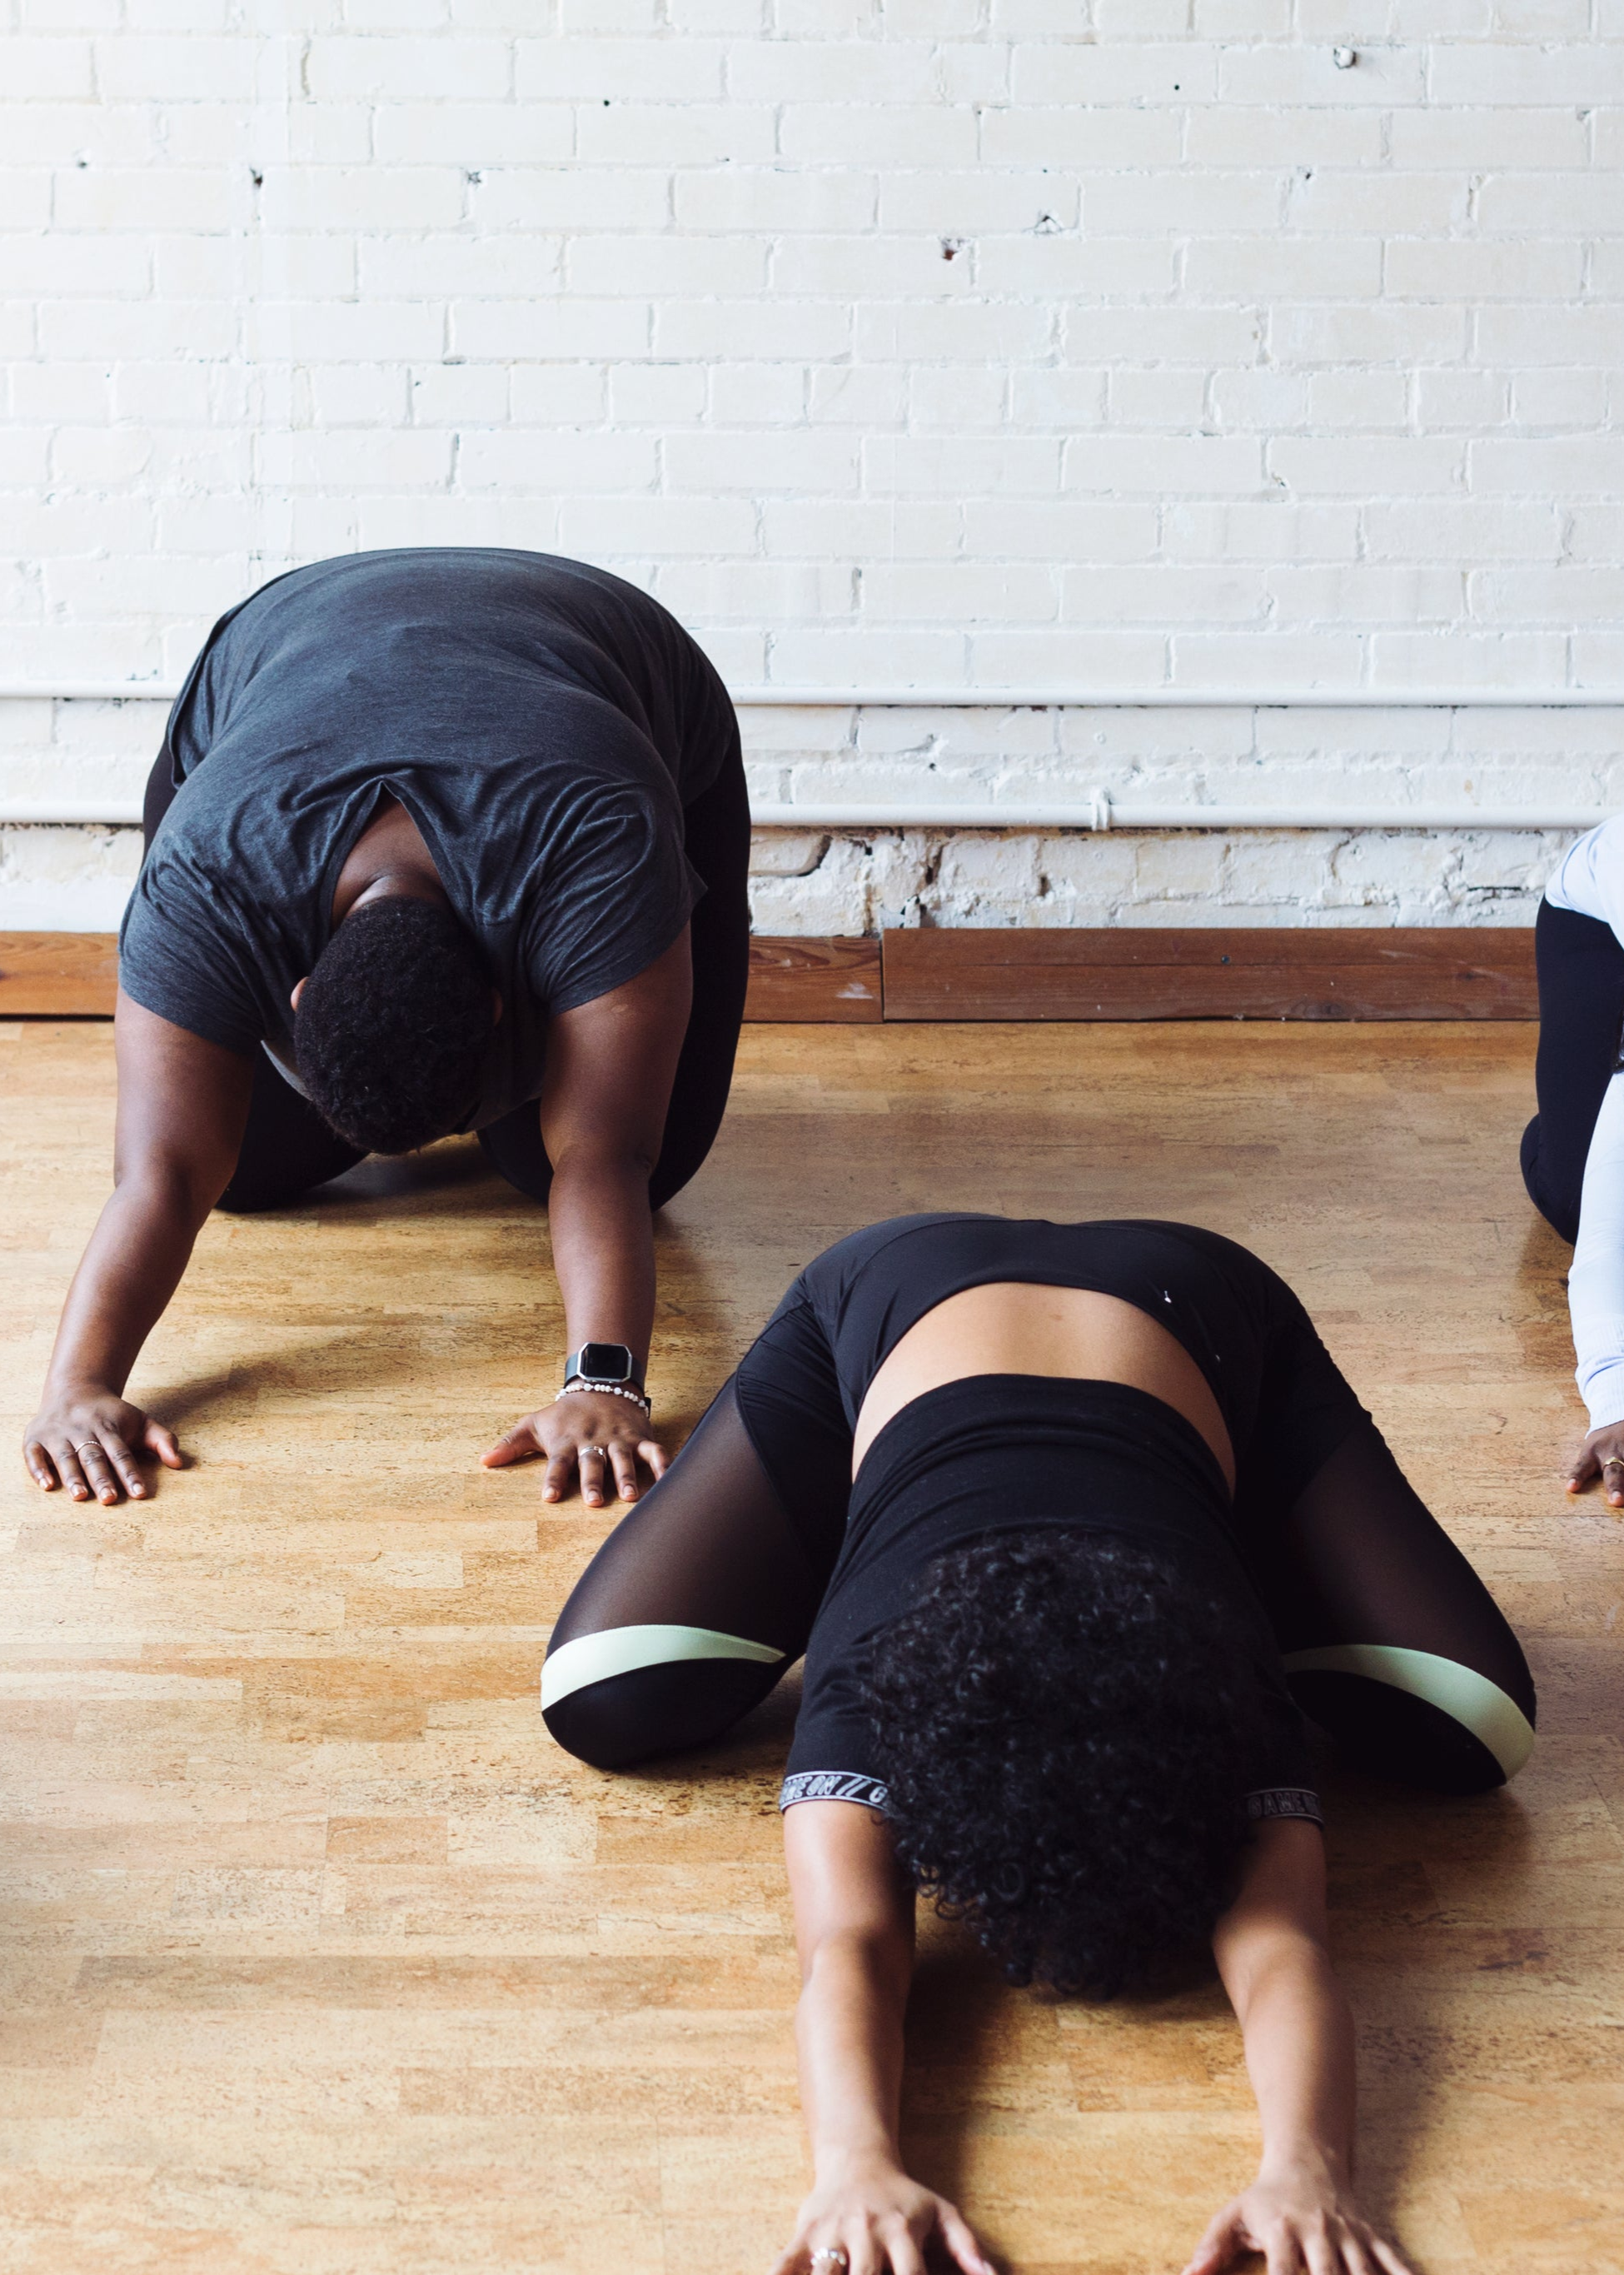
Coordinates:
1298	2220
882	2223
596	1435
1601	1457
90	1441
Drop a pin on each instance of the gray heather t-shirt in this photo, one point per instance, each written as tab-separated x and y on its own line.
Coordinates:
543	723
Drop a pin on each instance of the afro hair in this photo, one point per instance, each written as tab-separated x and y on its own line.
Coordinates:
393	1026
1066	1733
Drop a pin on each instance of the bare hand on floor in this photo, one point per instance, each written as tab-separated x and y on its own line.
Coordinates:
1601	1457
90	1441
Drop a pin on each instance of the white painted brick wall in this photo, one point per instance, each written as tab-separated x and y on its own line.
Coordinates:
1123	343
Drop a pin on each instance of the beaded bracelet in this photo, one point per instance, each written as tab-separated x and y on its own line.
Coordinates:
611	1389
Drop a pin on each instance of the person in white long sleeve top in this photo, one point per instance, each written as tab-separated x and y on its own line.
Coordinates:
1572	1151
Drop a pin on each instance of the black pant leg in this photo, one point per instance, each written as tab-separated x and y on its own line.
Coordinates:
287	1147
1391	1641
696	1605
1581	1013
717	841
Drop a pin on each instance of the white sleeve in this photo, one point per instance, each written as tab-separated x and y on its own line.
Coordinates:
1596	1282
1589	877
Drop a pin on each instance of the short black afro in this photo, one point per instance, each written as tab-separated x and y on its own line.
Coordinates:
393	1025
1067	1734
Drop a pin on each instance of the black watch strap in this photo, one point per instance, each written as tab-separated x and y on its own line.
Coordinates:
611	1362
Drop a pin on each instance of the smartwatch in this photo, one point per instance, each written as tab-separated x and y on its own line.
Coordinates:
609	1365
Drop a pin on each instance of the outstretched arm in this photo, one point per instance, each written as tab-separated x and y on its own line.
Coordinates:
610	1067
182	1106
854	1920
1271	1950
1596	1303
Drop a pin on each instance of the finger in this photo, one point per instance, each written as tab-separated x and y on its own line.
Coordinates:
98	1471
624	1462
519	1445
960	2237
903	2253
655	1455
1322	2253
159	1439
125	1465
1280	2251
1394	2262
1219	2245
864	2255
1581	1470
1355	2255
591	1466
69	1470
560	1476
40	1467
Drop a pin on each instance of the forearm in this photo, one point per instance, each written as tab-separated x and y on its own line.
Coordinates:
848	2034
1595	1281
603	1251
130	1267
1299	2040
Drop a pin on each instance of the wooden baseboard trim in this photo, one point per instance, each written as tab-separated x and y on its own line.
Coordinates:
1410	972
61	975
58	975
1406	972
831	979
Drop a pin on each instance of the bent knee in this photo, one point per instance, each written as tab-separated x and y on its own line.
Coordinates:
1413	1718
625	1694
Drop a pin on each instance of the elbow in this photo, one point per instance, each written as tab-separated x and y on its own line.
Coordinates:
878	1955
179	1192
1293	1958
583	1163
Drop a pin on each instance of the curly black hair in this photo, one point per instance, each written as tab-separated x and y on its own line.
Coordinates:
1066	1733
393	1025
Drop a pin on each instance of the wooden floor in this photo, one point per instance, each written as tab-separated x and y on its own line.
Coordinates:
318	1956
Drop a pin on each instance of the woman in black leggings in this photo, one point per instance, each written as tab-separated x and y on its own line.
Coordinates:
1079	1528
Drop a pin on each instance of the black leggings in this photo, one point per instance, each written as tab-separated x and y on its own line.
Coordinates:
287	1148
1581	1017
707	1592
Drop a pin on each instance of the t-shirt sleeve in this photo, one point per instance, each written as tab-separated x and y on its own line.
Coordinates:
1589	877
1596	1277
832	1755
178	959
613	893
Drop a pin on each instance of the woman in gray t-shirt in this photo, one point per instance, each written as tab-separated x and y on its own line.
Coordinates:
443	839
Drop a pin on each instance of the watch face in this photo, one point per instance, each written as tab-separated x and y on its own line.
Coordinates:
608	1362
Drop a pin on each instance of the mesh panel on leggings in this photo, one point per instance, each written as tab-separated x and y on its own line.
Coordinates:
709	1546
1359	1558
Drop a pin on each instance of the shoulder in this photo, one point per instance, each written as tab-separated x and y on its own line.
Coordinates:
1589	877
